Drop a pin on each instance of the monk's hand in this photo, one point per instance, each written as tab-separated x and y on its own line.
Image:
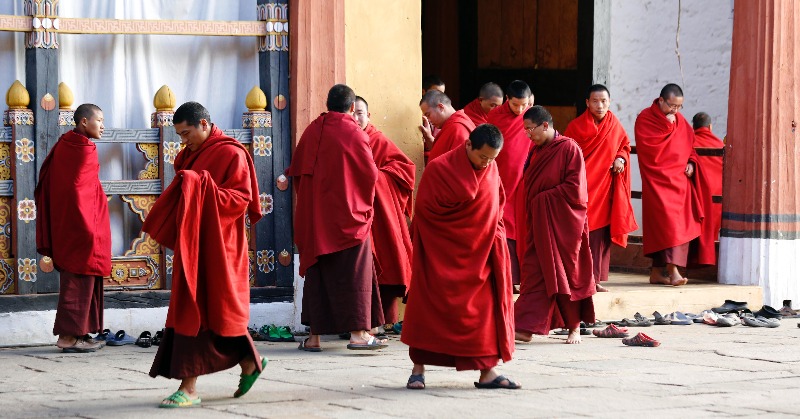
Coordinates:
689	170
427	135
671	117
619	165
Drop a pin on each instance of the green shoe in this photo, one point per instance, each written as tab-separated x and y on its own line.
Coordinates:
246	381
272	333
285	334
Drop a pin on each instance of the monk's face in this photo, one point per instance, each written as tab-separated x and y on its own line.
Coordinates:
598	104
439	87
481	157
520	105
435	114
491	103
671	105
361	114
93	127
537	132
191	136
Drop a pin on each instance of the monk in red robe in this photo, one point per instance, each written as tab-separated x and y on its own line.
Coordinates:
508	117
391	241
489	97
607	151
429	132
201	216
671	206
711	179
334	176
459	310
557	277
73	229
455	126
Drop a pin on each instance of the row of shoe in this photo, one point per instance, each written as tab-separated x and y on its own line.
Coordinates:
766	311
121	338
271	333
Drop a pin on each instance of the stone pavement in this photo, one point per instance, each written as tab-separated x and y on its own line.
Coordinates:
699	371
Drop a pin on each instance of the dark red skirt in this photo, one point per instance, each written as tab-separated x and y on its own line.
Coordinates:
677	255
80	305
461	363
600	245
181	356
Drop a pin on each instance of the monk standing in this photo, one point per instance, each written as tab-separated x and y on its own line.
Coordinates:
334	176
201	216
74	230
671	206
390	238
459	311
607	151
557	279
489	97
455	126
508	118
429	132
711	179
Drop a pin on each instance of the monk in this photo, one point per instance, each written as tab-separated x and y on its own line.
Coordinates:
334	177
459	310
391	241
508	117
489	97
201	216
557	277
607	151
711	178
671	206
432	82
73	229
429	82
455	125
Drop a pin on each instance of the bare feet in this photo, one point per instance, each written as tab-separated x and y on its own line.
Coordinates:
574	336
523	336
361	337
659	276
675	277
600	288
248	366
65	341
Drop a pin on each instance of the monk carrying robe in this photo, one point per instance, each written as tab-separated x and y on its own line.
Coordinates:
489	97
201	216
711	179
455	125
334	177
459	310
73	229
557	278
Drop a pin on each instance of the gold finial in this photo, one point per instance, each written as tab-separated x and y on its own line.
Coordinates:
17	96
164	100
256	100
65	97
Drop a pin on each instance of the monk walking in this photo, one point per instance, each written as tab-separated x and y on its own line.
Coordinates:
557	279
201	216
390	238
334	176
671	206
459	311
455	126
711	179
489	97
607	151
73	229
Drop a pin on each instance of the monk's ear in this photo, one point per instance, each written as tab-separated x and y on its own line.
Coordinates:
468	143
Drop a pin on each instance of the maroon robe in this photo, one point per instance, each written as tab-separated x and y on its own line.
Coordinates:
475	112
454	133
711	178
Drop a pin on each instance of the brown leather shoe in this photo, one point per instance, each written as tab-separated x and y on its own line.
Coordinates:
82	346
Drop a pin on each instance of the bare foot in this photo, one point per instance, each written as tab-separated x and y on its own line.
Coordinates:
679	282
523	336
574	336
66	341
600	288
658	276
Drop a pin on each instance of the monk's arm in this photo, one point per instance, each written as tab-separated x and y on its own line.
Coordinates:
572	188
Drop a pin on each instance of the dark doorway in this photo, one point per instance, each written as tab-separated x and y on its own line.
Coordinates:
546	43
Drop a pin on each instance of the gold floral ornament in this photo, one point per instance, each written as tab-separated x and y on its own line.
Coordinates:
171	150
26	210
266	260
266	203
26	269
25	149
262	146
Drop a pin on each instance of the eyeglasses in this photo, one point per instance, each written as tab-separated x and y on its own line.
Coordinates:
530	130
673	107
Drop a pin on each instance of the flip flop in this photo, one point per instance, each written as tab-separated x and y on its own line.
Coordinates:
157	338
179	399
660	320
145	340
679	319
371	344
303	347
246	381
120	338
498	383
416	378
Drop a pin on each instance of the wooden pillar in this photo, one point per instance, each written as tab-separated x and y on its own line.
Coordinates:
760	235
164	102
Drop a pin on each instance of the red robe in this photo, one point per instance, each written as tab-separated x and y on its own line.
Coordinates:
671	205
390	238
73	226
475	112
511	160
609	193
711	179
459	301
454	133
201	216
334	178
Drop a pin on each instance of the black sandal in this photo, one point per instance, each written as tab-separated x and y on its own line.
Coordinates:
144	340
416	378
157	338
498	383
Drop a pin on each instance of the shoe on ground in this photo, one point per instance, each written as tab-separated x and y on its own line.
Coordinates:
768	312
120	338
82	346
730	306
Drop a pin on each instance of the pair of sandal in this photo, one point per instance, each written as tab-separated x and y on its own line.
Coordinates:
181	399
637	321
494	384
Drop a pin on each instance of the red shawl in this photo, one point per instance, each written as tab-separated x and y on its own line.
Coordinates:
555	221
334	177
454	133
460	301
73	226
390	238
201	217
711	180
511	159
609	193
475	112
671	205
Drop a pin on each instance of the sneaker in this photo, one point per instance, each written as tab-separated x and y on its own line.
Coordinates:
82	346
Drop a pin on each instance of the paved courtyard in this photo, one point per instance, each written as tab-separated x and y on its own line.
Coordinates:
699	371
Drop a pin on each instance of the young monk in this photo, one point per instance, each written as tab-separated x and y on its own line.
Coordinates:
390	238
489	97
201	216
459	310
73	229
607	151
508	118
334	176
455	125
671	207
711	179
557	279
429	132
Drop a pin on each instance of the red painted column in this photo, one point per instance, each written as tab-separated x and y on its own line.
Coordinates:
760	236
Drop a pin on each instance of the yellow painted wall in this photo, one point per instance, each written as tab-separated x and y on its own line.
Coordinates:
383	59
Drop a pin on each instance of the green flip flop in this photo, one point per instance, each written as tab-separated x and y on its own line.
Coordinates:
285	334
246	381
179	399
